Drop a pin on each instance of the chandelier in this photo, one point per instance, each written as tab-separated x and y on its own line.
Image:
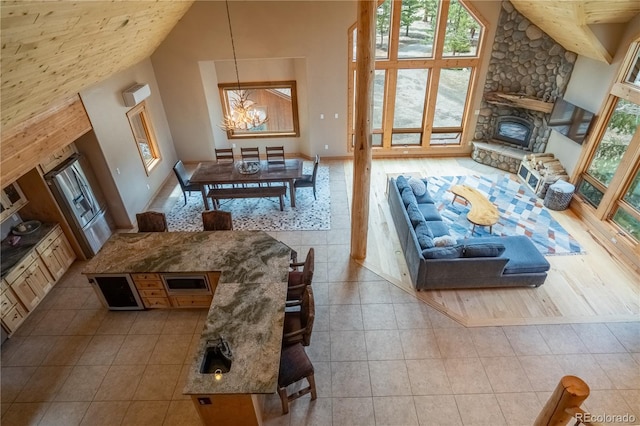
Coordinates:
242	114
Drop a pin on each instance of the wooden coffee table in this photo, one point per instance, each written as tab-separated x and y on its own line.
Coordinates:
482	212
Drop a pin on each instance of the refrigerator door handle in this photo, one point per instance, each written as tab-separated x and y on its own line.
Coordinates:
87	202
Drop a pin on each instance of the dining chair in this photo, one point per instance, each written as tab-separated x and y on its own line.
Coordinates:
295	366
298	280
183	180
151	222
250	154
309	181
298	325
275	155
216	220
224	155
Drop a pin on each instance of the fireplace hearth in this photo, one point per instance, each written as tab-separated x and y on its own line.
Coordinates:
513	131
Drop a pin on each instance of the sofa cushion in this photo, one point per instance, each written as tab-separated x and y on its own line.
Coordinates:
483	250
442	252
408	197
424	235
438	228
418	186
425	198
524	257
401	183
414	214
430	212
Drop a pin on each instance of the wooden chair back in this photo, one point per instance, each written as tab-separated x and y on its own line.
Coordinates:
250	154
295	366
151	222
216	220
225	155
275	154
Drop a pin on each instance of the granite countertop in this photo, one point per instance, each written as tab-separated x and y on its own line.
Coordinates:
248	304
10	255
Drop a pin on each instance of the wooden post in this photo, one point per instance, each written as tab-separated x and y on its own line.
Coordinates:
365	65
570	392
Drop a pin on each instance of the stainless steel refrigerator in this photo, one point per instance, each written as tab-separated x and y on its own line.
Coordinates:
82	204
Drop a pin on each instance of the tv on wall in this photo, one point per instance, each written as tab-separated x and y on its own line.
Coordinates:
570	120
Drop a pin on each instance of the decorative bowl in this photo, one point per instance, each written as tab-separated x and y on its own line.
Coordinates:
26	228
248	168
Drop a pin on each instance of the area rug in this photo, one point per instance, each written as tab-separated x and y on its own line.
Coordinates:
521	212
263	214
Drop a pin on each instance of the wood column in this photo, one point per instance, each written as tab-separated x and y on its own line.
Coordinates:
365	65
570	392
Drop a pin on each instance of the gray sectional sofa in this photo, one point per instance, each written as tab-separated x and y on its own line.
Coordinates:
469	263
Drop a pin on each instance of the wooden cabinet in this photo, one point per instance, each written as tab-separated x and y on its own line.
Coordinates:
57	157
11	200
191	301
11	311
30	281
56	253
151	290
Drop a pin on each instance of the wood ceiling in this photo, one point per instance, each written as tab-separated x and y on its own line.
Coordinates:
568	21
52	50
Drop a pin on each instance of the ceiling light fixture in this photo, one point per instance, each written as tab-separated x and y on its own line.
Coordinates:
243	115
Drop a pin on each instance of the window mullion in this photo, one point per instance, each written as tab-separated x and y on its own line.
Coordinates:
389	106
394	31
430	106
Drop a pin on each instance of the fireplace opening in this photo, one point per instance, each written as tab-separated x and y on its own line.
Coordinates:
513	131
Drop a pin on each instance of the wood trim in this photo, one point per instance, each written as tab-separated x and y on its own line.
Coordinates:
25	146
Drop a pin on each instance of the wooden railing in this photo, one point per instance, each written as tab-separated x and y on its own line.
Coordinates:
564	404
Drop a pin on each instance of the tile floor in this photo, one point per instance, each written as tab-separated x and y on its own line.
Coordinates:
381	357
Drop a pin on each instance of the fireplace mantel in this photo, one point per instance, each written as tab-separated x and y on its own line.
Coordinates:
516	100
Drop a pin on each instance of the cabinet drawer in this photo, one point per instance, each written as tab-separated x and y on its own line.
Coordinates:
14	318
153	293
156	302
44	244
21	267
7	300
149	284
191	301
3	285
145	277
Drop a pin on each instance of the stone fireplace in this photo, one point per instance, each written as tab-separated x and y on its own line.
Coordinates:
525	62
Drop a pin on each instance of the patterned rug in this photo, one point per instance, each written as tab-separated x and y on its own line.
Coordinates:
263	214
521	212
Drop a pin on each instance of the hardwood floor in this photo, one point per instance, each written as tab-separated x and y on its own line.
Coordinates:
592	287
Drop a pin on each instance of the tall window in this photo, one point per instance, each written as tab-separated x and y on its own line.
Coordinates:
427	52
610	182
143	134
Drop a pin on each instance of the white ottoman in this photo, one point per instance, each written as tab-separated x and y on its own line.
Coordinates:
559	195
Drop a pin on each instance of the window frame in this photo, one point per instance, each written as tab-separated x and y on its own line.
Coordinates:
433	65
147	126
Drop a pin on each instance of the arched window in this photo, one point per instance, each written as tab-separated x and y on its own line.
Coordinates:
427	53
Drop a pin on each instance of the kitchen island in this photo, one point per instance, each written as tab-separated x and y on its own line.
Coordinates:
247	308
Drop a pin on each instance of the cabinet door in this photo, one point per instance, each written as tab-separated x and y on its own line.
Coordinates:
25	292
52	262
63	252
14	318
39	278
12	199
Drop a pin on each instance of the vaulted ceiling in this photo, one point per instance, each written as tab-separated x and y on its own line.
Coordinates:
573	23
52	50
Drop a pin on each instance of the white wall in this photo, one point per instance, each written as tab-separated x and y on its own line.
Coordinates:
306	39
107	112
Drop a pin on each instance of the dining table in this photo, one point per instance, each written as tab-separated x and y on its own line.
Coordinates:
238	173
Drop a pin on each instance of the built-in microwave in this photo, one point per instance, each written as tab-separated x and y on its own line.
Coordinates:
186	283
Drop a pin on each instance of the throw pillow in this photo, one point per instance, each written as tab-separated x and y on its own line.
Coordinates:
408	197
414	214
444	241
423	233
418	186
442	252
483	250
401	183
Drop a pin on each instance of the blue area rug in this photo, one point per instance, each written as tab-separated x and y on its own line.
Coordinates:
521	212
263	214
